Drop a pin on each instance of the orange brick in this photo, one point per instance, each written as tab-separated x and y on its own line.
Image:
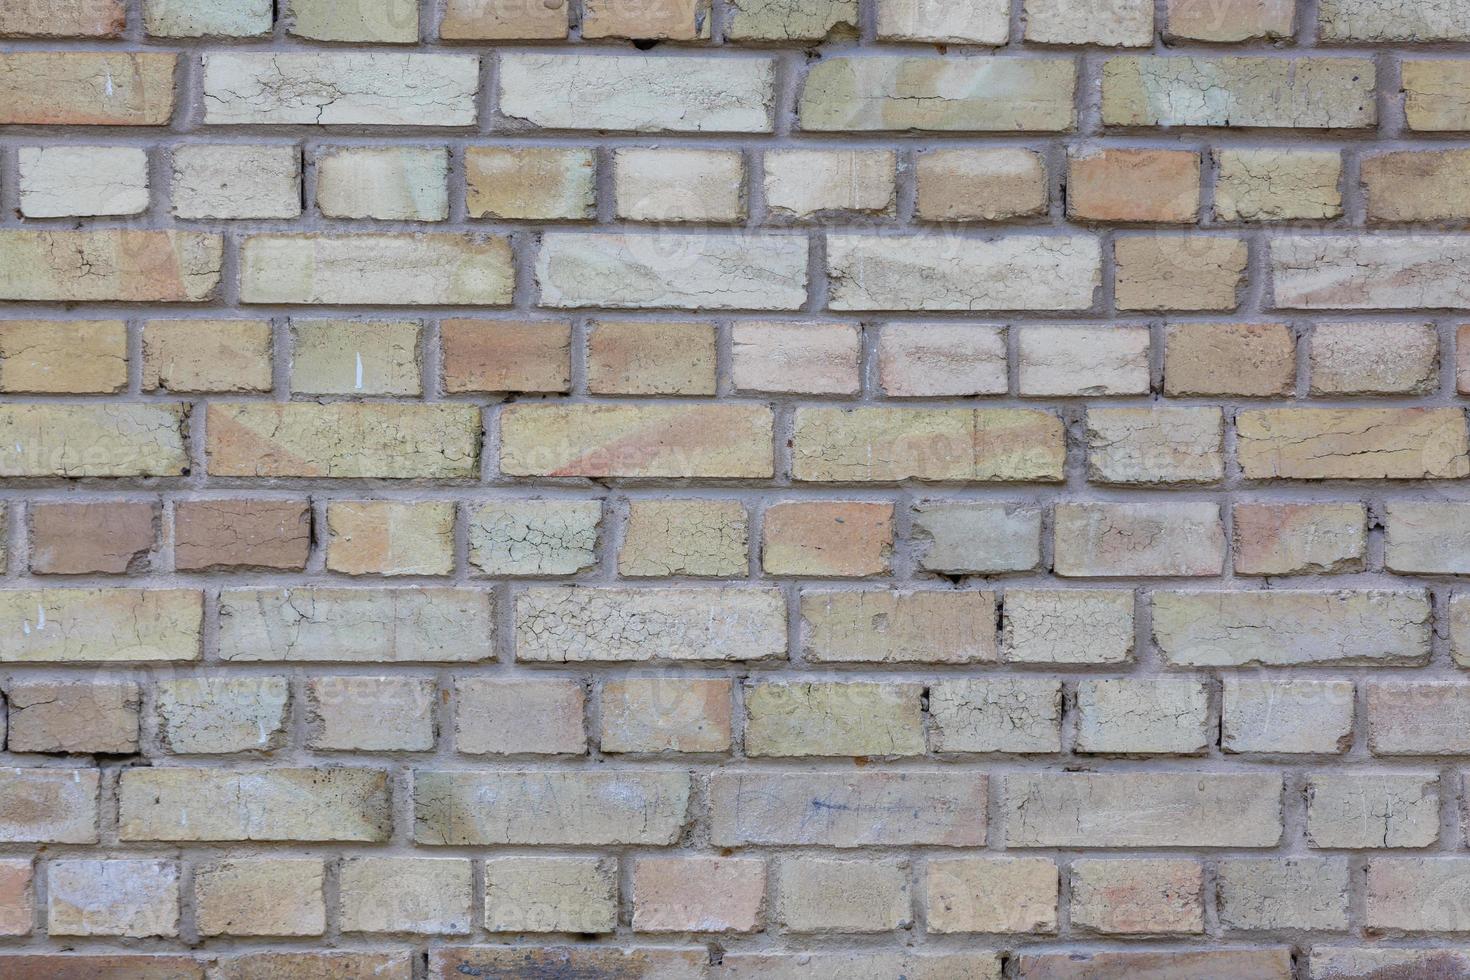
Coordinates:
1134	185
828	539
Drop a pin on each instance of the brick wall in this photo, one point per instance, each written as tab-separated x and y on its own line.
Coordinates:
755	488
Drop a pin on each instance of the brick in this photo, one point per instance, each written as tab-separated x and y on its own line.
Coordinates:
1278	185
550	807
1131	809
847	809
1424	718
1229	21
268	534
1300	539
207	18
1001	714
332	965
111	966
1122	185
631	358
67	181
1287	716
503	20
124	265
929	360
669	185
706	538
791	20
827	539
355	625
808	183
1362	963
1068	626
725	441
1138	897
1372	810
875	965
495	355
674	20
1294	893
1298	93
1407	20
665	714
207	355
881	626
380	537
1032	272
216	715
959	538
87	88
551	894
467	270
352	357
80	718
343	440
1350	358
1282	628
358	88
698	894
1352	444
1126	540
572	625
384	22
631	271
490	961
1152	446
1420	186
134	899
1157	716
1251	359
981	185
235	181
817	718
1379	272
370	714
188	804
48	806
92	440
530	183
1407	894
17	898
800	358
63	357
1070	361
824	895
400	183
1462	358
110	538
102	625
890	445
1426	537
1432	100
639	93
1237	964
519	717
534	537
983	22
1115	23
72	18
1161	272
407	894
1002	895
260	897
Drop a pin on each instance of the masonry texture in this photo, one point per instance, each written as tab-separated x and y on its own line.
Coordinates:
718	489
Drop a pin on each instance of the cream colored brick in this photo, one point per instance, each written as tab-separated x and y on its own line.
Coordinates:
402	270
374	21
1146	896
355	713
551	894
207	355
665	185
1285	716
684	537
132	899
1156	716
379	537
1402	20
1372	810
1000	714
1364	962
1374	359
791	20
628	357
801	358
807	183
101	625
1376	272
400	183
207	18
124	265
63	356
964	538
530	183
1290	893
875	965
236	181
1228	21
48	805
353	357
824	895
68	181
1151	446
92	440
519	717
1125	540
216	715
1016	895
833	719
260	897
534	537
1113	23
981	185
1068	626
923	360
407	894
1110	360
1278	185
979	22
1300	93
883	626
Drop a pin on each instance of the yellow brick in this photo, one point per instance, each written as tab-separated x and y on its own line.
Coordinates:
55	356
207	355
95	439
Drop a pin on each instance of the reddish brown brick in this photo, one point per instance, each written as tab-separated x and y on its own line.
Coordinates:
216	534
90	539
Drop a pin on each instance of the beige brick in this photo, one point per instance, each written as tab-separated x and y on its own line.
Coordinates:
503	20
1125	540
69	181
981	185
69	18
407	894
519	717
17	897
1139	964
981	22
665	714
626	806
1299	539
1252	359
123	265
1294	893
530	183
1151	446
260	897
82	718
1133	809
926	360
1278	185
1417	186
1110	360
534	537
330	88
1163	272
1156	716
1382	272
63	357
1459	629
495	355
92	440
402	270
370	714
1352	443
1406	20
1363	963
551	894
207	355
352	357
807	183
1068	626
133	899
1138	897
319	965
882	626
1287	716
869	965
1279	628
1228	21
698	894
819	718
791	20
993	894
207	18
87	88
1427	537
827	539
825	895
214	715
102	625
48	806
674	20
1372	810
1353	358
1114	23
1300	93
1432	95
342	440
400	183
1128	185
382	22
379	537
684	537
796	358
958	538
1407	894
1425	718
660	358
666	185
999	714
236	181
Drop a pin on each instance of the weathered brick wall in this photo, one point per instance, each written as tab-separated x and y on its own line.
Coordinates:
857	489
